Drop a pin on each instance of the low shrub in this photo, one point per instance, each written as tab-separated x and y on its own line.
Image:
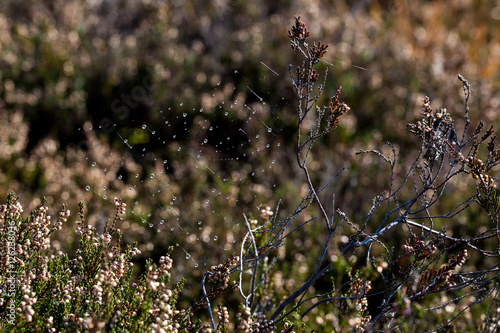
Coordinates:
399	269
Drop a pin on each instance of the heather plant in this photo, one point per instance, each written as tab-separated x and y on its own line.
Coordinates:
43	289
404	262
402	285
76	69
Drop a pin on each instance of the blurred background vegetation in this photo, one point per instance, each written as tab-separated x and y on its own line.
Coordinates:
79	79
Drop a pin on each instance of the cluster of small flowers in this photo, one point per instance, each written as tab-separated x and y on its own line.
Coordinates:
266	213
152	279
299	33
220	273
121	206
487	181
432	280
248	323
135	251
106	238
95	261
28	300
245	321
475	164
298	36
336	109
97	290
436	130
314	76
359	323
162	310
164	314
121	264
428	119
420	250
81	215
90	324
39	229
63	218
71	289
222	314
87	231
317	51
109	278
12	210
165	264
459	260
10	213
262	324
478	171
359	288
41	272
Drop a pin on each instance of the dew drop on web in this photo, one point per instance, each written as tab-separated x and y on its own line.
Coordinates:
194	162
